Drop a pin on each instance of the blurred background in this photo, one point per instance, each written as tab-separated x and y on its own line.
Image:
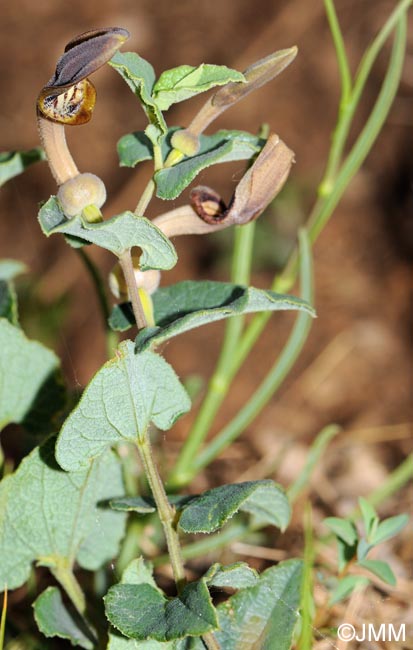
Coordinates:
356	367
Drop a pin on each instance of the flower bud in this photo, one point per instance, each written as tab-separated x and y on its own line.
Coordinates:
186	142
78	193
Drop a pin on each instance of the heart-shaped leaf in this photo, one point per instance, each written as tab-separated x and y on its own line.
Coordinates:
117	234
59	515
127	394
141	612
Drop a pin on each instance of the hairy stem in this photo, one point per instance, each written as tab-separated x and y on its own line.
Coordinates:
125	260
165	511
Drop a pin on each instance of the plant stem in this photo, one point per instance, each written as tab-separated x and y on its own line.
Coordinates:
220	381
96	277
66	578
145	198
3	618
125	260
165	511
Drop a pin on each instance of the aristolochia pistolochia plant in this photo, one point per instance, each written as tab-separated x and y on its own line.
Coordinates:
137	388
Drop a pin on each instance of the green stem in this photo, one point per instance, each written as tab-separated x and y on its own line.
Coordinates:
276	375
220	381
165	511
125	260
145	198
330	196
66	578
3	619
341	55
96	277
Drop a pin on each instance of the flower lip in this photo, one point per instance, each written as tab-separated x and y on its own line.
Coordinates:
69	97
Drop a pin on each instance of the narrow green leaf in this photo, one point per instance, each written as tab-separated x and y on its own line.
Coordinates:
117	234
380	569
127	394
345	587
25	368
59	516
186	305
264	500
141	612
186	81
343	528
389	528
140	77
263	616
224	146
234	576
13	163
55	620
369	515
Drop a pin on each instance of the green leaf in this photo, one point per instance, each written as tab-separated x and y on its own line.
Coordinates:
224	146
369	515
189	304
146	505
136	147
25	368
380	569
126	394
140	77
343	529
345	587
58	515
263	616
235	576
141	612
138	572
117	234
264	500
13	163
185	81
389	528
53	619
